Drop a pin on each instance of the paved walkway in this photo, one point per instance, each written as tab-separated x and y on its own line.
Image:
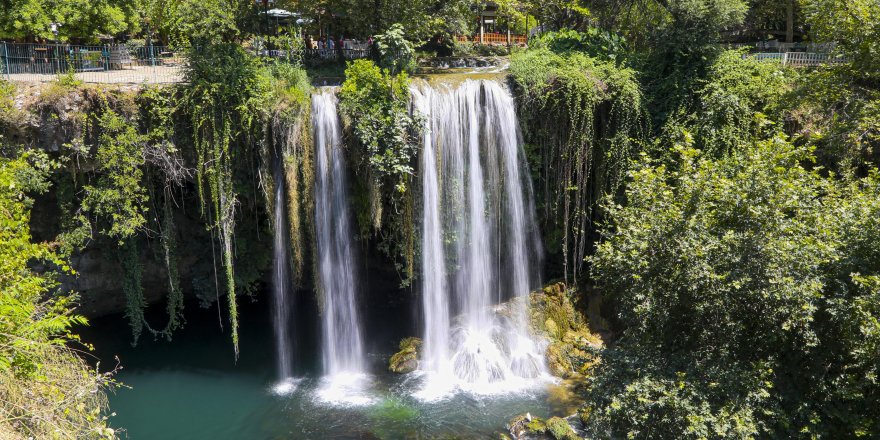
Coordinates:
133	75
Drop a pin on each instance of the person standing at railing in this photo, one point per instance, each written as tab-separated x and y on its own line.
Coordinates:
340	48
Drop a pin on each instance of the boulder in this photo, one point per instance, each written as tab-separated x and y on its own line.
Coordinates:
559	429
407	359
572	348
518	426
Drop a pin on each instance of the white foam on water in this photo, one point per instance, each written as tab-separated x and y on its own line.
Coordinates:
286	386
345	389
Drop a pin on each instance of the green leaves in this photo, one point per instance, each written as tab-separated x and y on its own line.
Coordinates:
376	101
853	26
739	272
48	391
80	20
119	195
395	52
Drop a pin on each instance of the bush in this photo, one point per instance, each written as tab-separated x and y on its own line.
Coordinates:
749	298
738	100
595	42
46	390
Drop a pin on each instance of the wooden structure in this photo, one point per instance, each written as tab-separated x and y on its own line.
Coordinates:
488	32
494	39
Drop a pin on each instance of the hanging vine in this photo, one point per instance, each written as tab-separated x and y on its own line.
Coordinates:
225	94
583	121
174	302
288	138
375	108
131	286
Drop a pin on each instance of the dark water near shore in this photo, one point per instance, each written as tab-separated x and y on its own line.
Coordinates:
192	388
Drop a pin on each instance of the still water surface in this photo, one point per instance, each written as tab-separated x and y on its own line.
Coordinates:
191	388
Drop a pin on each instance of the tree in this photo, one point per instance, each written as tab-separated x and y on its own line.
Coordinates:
79	20
421	19
853	25
749	298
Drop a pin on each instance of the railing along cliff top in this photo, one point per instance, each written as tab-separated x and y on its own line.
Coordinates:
117	63
798	59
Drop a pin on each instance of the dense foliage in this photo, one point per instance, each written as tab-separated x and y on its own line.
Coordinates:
584	121
747	288
46	389
737	100
80	20
853	25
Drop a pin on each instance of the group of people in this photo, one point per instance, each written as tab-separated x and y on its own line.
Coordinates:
330	43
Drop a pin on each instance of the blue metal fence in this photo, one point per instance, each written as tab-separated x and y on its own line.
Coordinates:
104	63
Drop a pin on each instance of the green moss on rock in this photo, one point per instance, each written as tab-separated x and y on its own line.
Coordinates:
407	359
573	348
559	429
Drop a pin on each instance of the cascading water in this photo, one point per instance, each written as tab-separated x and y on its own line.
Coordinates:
281	287
476	201
343	352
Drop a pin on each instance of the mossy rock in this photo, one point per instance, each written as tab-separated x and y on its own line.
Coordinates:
517	425
572	348
526	426
559	429
536	426
407	359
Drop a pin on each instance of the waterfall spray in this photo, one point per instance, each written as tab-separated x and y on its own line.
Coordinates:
343	352
478	201
281	286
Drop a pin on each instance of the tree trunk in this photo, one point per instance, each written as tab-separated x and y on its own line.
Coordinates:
789	21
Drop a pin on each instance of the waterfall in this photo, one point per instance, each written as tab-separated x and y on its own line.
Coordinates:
478	201
434	299
281	286
342	343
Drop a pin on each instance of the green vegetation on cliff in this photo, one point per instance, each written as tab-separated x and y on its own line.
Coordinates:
46	389
583	121
374	105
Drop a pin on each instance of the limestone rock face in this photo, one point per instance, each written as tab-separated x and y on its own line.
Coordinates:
573	348
407	359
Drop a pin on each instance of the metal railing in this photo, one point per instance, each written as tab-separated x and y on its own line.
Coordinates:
23	62
798	59
335	54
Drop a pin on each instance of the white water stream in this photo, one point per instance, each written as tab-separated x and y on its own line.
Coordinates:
345	380
478	243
